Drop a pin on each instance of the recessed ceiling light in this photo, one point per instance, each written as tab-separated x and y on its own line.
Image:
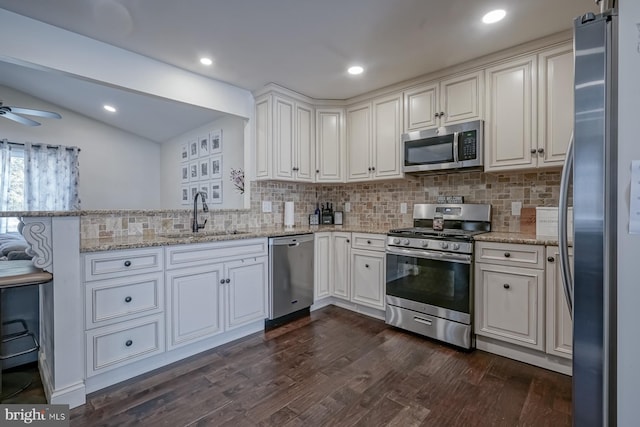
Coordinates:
109	108
355	70
494	16
206	61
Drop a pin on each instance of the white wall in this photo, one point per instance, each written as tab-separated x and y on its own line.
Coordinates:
233	156
628	245
118	170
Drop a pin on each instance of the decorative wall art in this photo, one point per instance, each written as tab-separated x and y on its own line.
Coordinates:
201	168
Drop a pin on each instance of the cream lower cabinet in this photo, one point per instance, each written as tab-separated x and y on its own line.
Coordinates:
367	277
559	323
245	299
509	299
340	264
322	265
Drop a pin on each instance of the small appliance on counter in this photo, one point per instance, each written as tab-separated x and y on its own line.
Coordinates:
327	214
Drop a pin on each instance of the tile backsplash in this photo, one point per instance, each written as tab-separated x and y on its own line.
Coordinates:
373	203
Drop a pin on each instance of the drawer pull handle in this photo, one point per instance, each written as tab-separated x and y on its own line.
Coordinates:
551	259
424	321
127	263
506	286
128	343
228	280
127	299
507	254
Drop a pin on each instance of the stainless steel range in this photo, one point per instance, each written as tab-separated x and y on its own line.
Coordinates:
429	281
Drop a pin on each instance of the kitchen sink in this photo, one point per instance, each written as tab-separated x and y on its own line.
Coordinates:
189	235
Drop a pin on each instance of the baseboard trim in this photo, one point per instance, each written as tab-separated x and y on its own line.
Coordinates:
73	395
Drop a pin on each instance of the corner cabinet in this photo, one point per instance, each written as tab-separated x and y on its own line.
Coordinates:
330	145
340	264
452	100
374	131
285	138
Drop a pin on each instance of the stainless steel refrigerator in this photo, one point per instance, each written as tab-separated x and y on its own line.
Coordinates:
592	168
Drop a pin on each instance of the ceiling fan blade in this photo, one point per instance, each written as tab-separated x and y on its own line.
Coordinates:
30	112
19	119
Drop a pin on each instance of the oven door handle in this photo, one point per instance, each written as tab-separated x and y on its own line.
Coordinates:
435	256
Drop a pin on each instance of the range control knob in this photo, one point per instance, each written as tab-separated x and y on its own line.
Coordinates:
405	242
456	246
425	243
444	245
396	241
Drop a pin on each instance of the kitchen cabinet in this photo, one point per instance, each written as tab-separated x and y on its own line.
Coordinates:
330	145
245	291
368	272
374	132
509	293
559	324
340	264
322	265
452	100
285	138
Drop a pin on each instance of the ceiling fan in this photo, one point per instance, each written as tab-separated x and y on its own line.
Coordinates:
11	113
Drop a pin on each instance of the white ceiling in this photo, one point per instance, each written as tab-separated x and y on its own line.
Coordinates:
304	45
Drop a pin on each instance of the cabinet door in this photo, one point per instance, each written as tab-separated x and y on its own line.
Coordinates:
510	304
263	137
461	98
559	323
359	142
245	291
330	146
555	104
322	253
510	130
420	107
340	264
193	304
283	111
304	143
387	131
367	278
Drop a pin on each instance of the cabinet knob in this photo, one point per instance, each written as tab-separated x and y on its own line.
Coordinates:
436	115
317	170
368	242
128	343
507	254
441	113
369	169
373	168
127	299
222	281
540	150
366	265
551	259
227	281
348	240
506	286
295	169
127	263
533	151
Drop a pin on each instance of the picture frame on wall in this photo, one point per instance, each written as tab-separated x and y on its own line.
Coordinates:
193	190
203	169
203	146
204	187
193	150
185	172
193	171
216	192
184	152
184	196
216	141
216	167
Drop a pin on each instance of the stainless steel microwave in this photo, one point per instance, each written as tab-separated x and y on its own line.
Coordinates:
452	147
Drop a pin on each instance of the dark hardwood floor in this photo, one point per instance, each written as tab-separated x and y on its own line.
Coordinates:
335	368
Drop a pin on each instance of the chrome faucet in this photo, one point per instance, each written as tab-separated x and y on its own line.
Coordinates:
194	225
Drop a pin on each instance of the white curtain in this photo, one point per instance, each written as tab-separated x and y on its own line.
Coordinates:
50	178
5	165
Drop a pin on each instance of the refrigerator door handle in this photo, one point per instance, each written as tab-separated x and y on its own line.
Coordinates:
565	272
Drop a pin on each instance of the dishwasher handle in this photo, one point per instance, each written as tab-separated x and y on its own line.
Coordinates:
293	240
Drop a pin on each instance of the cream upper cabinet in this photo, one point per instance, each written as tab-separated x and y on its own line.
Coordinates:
452	100
510	127
555	104
559	323
374	131
285	139
330	145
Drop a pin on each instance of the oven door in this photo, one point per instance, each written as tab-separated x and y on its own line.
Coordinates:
436	283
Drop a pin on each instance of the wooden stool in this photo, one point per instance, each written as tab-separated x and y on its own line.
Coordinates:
14	274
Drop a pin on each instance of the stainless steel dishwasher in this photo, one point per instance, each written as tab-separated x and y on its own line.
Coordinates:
290	278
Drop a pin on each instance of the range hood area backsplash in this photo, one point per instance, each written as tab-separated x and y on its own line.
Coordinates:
374	204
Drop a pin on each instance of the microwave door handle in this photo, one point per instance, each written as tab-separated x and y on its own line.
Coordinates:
455	147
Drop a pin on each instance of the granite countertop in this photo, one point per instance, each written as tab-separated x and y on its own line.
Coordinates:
133	242
11	214
523	238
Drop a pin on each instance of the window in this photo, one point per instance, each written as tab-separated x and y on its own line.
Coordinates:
16	188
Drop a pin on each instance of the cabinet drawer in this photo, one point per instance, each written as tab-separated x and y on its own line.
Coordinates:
115	300
372	242
114	346
105	265
530	256
205	253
